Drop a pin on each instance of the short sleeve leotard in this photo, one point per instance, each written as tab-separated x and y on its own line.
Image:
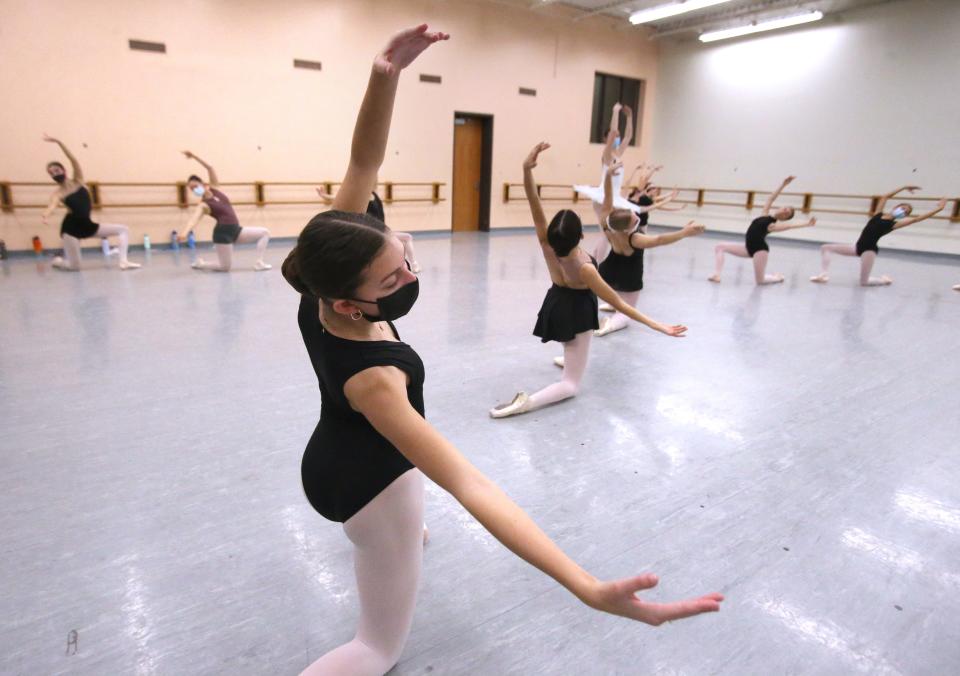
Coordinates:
76	222
347	463
876	227
227	229
756	239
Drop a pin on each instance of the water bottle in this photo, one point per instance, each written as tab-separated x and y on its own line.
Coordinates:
105	246
37	246
174	242
3	250
191	240
146	242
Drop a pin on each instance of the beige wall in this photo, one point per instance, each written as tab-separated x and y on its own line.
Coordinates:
227	90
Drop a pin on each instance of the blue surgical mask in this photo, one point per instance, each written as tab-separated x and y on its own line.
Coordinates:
199	190
616	142
899	212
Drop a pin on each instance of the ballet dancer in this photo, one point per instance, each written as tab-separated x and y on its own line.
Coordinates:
881	223
227	231
613	151
569	311
755	242
362	466
375	209
647	197
622	269
77	225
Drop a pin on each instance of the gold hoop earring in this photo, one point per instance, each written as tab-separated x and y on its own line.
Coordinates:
356	315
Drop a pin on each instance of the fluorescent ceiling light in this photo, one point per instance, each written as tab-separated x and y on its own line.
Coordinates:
759	27
664	11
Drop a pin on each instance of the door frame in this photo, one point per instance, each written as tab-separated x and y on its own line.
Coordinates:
486	165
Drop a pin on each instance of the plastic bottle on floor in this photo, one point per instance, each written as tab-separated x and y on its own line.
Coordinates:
174	242
3	250
191	240
37	246
146	242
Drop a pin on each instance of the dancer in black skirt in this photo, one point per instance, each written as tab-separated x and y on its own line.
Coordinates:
569	311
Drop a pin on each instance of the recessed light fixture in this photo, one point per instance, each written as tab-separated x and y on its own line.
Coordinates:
713	36
665	11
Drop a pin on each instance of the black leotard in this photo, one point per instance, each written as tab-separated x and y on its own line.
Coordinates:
756	238
375	208
76	222
624	273
876	227
347	463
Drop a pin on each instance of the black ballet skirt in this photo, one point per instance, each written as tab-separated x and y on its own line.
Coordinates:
565	313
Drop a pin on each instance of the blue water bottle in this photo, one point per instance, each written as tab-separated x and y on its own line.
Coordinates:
174	242
146	242
191	240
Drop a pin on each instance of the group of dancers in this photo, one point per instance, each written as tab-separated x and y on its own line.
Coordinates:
364	463
77	224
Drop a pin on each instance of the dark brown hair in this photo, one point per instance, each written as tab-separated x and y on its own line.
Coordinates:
332	252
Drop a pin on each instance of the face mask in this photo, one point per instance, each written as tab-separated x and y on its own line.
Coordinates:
616	142
199	191
899	212
396	305
60	178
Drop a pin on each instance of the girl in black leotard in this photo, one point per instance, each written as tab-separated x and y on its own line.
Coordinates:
77	224
569	311
755	244
881	223
622	269
363	463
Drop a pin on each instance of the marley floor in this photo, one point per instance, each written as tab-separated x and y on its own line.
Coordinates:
799	452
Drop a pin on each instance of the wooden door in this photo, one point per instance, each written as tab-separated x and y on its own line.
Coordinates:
467	172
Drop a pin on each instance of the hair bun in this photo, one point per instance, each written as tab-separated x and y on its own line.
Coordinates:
291	272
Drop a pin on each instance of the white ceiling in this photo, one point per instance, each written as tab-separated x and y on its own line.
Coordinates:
733	13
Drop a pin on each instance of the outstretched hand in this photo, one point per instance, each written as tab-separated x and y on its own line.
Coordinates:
941	204
531	160
675	331
189	155
619	598
405	47
693	228
50	139
789	179
813	221
912	188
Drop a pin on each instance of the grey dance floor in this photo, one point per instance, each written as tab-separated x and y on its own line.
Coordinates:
799	452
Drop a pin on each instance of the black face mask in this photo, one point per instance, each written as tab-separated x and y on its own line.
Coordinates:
60	178
396	305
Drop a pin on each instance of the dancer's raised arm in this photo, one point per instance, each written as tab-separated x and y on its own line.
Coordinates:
373	122
74	164
775	194
882	202
211	172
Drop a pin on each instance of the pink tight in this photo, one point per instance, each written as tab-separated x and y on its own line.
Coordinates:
575	354
387	535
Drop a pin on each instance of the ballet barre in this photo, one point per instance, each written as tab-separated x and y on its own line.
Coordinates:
259	188
747	199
